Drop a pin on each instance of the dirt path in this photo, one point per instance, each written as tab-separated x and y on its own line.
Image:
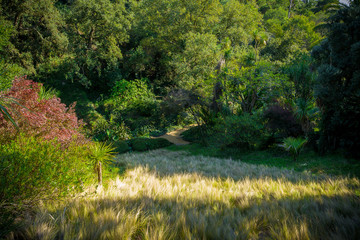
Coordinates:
175	137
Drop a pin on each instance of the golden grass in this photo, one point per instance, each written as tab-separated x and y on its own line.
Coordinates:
170	195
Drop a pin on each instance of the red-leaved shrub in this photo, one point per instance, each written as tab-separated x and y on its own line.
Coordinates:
47	118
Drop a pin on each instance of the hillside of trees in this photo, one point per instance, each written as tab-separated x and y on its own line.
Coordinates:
138	67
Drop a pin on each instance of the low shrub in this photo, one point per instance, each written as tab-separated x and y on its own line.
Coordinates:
144	144
134	104
294	146
138	144
132	93
33	169
158	133
244	131
121	147
281	122
103	130
156	143
43	117
193	134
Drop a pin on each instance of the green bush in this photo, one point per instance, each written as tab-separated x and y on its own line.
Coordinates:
144	144
32	169
121	147
134	103
244	131
158	133
103	130
193	134
139	144
156	143
294	146
131	94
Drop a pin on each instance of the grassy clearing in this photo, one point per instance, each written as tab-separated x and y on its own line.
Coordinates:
171	195
309	161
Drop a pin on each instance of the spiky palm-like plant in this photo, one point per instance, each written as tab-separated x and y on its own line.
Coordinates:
294	146
305	112
4	109
100	154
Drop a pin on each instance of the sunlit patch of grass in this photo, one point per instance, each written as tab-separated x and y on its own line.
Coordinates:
171	195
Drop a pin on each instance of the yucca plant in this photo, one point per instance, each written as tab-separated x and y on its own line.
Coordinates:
101	154
294	146
305	112
4	106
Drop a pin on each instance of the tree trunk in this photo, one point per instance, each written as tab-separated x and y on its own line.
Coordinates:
291	2
99	171
91	37
218	92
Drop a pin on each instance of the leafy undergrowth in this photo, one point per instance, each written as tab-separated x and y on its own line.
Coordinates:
308	161
171	195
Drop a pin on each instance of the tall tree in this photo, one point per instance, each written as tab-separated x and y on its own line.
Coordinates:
238	21
163	26
97	30
8	70
338	84
198	61
289	36
37	31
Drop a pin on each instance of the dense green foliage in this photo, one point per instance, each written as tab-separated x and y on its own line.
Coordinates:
93	52
139	67
34	170
244	131
144	144
338	84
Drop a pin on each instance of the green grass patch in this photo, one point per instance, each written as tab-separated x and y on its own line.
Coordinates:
334	164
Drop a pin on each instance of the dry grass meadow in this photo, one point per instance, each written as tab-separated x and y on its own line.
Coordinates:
171	195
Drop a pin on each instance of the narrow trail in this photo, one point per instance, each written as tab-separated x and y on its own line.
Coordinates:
174	136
